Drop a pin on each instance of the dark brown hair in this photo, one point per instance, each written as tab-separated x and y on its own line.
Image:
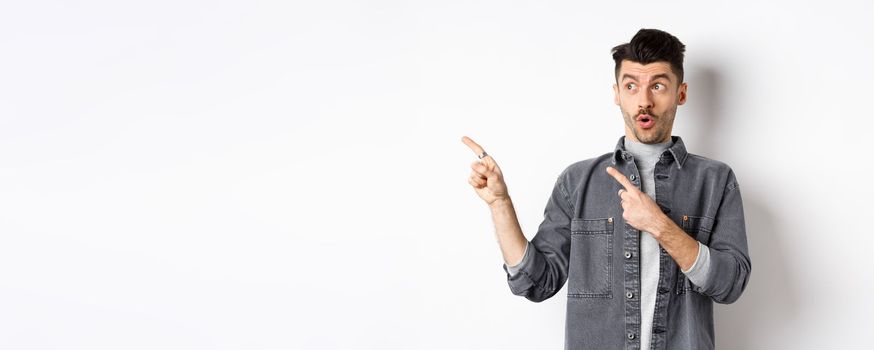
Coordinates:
651	45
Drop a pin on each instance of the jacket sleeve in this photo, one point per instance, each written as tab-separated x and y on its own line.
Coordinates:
544	268
730	264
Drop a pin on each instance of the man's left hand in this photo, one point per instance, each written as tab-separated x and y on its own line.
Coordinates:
641	212
638	209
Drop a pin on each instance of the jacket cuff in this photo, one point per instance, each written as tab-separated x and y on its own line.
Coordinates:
530	269
699	273
513	270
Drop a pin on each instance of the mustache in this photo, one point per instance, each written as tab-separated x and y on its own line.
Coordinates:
646	111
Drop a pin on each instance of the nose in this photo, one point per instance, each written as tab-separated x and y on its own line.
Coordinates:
645	100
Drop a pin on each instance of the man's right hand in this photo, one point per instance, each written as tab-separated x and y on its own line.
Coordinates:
486	177
488	182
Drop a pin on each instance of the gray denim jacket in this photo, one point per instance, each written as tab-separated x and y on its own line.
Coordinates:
584	241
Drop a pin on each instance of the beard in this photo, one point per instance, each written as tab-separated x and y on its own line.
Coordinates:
659	131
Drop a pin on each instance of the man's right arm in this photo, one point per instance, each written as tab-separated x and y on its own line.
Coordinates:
488	182
543	262
510	238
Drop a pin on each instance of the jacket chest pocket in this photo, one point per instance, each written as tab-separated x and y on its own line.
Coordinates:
699	227
591	259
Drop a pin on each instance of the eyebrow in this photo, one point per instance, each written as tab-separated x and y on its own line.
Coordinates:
654	77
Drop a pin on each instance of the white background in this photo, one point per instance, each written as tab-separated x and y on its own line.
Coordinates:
290	175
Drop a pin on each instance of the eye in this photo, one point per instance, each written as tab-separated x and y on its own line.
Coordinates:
629	86
658	86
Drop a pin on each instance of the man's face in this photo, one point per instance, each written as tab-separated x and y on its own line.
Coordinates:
648	96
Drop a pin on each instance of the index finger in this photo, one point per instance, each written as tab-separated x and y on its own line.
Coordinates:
473	145
621	179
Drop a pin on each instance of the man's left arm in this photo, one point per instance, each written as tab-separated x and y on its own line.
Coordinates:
727	259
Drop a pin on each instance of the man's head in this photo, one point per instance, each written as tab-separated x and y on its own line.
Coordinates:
649	84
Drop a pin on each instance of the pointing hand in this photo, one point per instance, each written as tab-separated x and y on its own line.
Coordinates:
486	177
638	209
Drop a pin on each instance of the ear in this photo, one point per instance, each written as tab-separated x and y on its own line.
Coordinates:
616	94
681	96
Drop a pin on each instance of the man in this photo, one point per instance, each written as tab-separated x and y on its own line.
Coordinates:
647	236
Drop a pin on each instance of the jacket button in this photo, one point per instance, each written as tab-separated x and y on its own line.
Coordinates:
610	219
630	336
628	255
633	177
629	295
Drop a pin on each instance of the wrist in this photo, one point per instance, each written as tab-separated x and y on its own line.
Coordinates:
500	202
662	227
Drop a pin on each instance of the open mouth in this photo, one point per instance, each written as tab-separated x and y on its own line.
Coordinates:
645	121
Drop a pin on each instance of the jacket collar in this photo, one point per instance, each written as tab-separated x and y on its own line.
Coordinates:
677	151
